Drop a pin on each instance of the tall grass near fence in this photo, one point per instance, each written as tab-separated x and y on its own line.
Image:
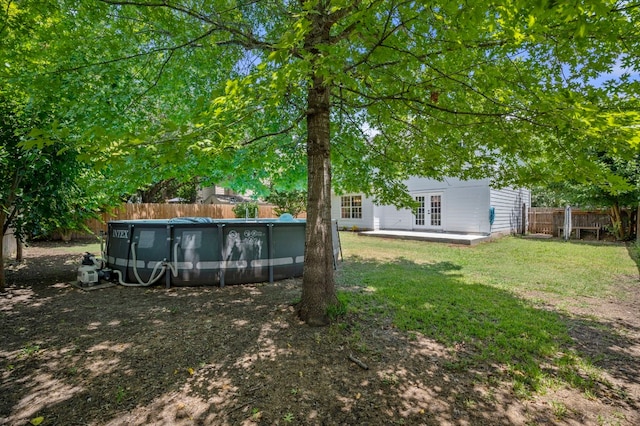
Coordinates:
489	303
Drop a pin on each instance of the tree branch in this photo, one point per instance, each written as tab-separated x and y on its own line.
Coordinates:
399	97
11	207
155	82
278	133
245	39
385	34
137	55
6	21
163	4
626	7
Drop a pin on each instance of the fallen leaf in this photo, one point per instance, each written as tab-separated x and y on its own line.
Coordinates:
36	421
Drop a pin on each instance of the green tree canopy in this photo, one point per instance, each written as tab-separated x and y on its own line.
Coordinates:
368	92
42	189
619	190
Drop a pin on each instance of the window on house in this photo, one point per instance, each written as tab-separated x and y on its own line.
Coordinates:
351	207
420	213
436	210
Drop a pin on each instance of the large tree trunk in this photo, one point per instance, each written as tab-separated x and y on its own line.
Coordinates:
638	224
3	218
318	285
19	250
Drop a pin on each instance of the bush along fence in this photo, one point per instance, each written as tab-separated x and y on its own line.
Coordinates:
166	211
550	221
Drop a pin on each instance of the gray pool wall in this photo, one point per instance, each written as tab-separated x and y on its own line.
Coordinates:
205	251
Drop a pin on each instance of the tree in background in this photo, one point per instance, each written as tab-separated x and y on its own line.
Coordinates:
292	202
246	210
606	172
619	192
42	189
349	95
161	191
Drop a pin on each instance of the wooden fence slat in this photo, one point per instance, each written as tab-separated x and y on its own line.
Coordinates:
166	211
544	220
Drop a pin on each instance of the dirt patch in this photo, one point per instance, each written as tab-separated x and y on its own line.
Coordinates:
239	356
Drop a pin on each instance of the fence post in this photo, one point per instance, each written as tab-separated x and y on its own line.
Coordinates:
567	223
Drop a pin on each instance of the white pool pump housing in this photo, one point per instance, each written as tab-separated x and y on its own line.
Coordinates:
87	274
88	270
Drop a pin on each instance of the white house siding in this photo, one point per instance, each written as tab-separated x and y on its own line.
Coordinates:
465	208
508	209
376	218
392	218
417	184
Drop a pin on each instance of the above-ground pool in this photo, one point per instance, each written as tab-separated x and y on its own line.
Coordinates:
204	251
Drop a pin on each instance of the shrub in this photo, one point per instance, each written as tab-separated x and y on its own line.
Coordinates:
292	202
246	210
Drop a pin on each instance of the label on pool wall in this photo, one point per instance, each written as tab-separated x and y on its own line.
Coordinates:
191	240
245	245
120	233
190	244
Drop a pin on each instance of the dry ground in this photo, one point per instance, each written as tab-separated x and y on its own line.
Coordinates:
239	356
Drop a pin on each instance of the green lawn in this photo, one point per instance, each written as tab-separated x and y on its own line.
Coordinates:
80	247
489	298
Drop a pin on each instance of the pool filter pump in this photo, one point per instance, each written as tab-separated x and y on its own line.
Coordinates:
88	270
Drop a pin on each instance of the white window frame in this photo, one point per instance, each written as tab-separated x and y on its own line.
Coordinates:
351	207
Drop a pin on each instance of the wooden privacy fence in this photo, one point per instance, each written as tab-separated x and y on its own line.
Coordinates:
166	211
551	220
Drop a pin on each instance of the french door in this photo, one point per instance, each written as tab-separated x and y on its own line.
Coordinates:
429	212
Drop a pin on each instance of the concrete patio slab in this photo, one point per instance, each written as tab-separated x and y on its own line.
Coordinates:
440	237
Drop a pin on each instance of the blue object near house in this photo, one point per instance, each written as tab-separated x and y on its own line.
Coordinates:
492	215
